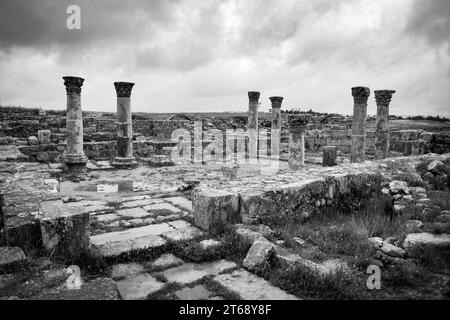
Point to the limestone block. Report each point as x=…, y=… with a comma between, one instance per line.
x=44, y=136
x=259, y=253
x=329, y=156
x=214, y=209
x=65, y=229
x=416, y=243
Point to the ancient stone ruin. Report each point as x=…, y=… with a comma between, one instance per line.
x=138, y=203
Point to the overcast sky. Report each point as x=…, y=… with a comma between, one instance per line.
x=204, y=55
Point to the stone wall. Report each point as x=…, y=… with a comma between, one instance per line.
x=20, y=126
x=102, y=150
x=24, y=123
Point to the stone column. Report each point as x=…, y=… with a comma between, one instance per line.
x=383, y=98
x=275, y=131
x=360, y=96
x=297, y=128
x=124, y=138
x=74, y=157
x=253, y=105
x=329, y=156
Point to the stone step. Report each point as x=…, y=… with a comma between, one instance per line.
x=250, y=287
x=137, y=212
x=135, y=282
x=148, y=237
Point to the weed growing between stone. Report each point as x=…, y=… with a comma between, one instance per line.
x=232, y=248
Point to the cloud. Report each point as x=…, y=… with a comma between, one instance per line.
x=190, y=55
x=42, y=23
x=431, y=20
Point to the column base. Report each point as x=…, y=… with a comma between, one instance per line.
x=75, y=164
x=125, y=163
x=74, y=159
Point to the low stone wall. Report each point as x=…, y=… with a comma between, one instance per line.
x=20, y=126
x=105, y=150
x=293, y=195
x=23, y=123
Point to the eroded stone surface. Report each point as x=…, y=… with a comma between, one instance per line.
x=195, y=293
x=182, y=234
x=138, y=287
x=133, y=213
x=214, y=209
x=115, y=243
x=165, y=261
x=415, y=242
x=11, y=255
x=125, y=269
x=181, y=202
x=259, y=253
x=251, y=287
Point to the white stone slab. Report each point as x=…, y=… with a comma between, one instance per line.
x=250, y=287
x=181, y=202
x=138, y=287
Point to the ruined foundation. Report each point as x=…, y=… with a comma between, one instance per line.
x=189, y=222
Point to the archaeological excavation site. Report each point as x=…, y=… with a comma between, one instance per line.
x=279, y=205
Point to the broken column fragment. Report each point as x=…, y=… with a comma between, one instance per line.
x=360, y=96
x=74, y=157
x=329, y=156
x=383, y=98
x=253, y=104
x=297, y=128
x=124, y=158
x=275, y=131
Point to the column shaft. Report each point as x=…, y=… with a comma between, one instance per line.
x=297, y=128
x=124, y=137
x=360, y=96
x=275, y=131
x=253, y=105
x=74, y=156
x=383, y=98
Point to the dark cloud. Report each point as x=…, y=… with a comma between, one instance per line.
x=214, y=51
x=42, y=23
x=431, y=20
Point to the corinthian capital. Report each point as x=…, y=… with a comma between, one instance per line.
x=383, y=97
x=360, y=94
x=73, y=84
x=297, y=123
x=123, y=89
x=253, y=96
x=276, y=102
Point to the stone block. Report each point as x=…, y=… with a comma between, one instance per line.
x=329, y=156
x=215, y=209
x=258, y=254
x=44, y=136
x=65, y=229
